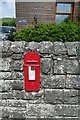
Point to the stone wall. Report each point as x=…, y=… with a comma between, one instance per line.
x=59, y=95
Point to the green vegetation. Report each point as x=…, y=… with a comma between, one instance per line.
x=8, y=21
x=66, y=31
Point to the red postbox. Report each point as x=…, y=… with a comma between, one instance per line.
x=32, y=71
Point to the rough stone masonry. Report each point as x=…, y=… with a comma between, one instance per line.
x=59, y=95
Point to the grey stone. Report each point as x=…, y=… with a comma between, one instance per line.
x=5, y=55
x=72, y=66
x=14, y=113
x=41, y=110
x=71, y=48
x=6, y=46
x=70, y=96
x=72, y=81
x=59, y=48
x=18, y=112
x=67, y=110
x=78, y=49
x=16, y=94
x=32, y=95
x=1, y=83
x=54, y=96
x=6, y=85
x=18, y=56
x=17, y=75
x=1, y=46
x=60, y=66
x=53, y=81
x=1, y=64
x=17, y=65
x=31, y=46
x=60, y=118
x=59, y=95
x=46, y=66
x=13, y=103
x=7, y=95
x=17, y=85
x=5, y=75
x=17, y=47
x=6, y=64
x=46, y=47
x=0, y=112
x=5, y=113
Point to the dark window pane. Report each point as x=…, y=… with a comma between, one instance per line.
x=61, y=18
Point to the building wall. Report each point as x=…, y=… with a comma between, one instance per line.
x=59, y=95
x=77, y=11
x=27, y=10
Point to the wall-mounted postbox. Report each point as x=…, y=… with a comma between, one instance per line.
x=32, y=72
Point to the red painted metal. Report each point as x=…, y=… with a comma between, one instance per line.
x=32, y=67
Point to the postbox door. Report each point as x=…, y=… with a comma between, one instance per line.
x=32, y=72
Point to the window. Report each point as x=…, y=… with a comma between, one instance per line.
x=63, y=11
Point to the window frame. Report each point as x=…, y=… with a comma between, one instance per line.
x=71, y=13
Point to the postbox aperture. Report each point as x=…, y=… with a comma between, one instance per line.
x=31, y=72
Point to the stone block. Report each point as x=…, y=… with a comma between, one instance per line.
x=17, y=47
x=72, y=67
x=40, y=110
x=17, y=65
x=1, y=64
x=70, y=96
x=59, y=48
x=17, y=85
x=46, y=66
x=5, y=55
x=78, y=49
x=1, y=83
x=54, y=96
x=17, y=113
x=53, y=81
x=0, y=112
x=72, y=81
x=31, y=46
x=6, y=46
x=46, y=47
x=5, y=64
x=7, y=95
x=14, y=113
x=66, y=110
x=17, y=56
x=5, y=113
x=16, y=94
x=13, y=103
x=5, y=75
x=7, y=86
x=17, y=75
x=1, y=47
x=59, y=118
x=71, y=48
x=60, y=66
x=32, y=95
x=0, y=96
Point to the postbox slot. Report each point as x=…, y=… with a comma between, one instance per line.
x=31, y=62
